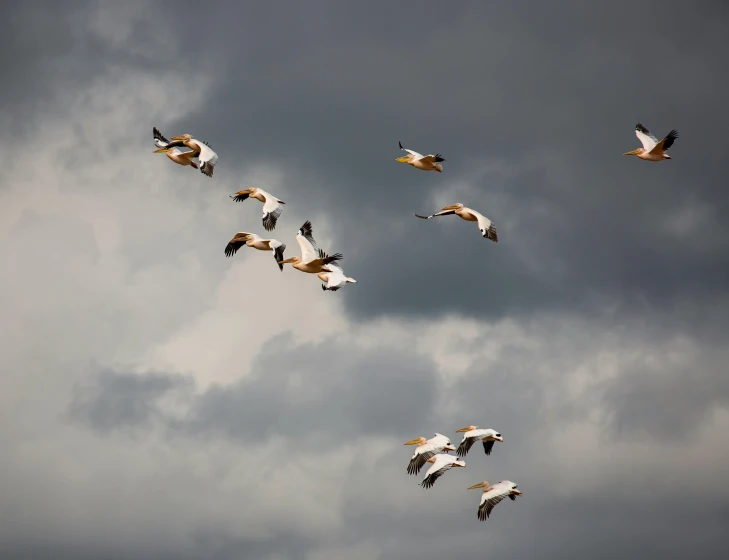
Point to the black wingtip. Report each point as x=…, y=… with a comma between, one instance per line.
x=400, y=144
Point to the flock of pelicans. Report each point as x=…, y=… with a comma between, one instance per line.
x=435, y=451
x=314, y=260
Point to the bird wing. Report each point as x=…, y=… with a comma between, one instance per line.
x=433, y=158
x=239, y=239
x=441, y=213
x=324, y=259
x=488, y=446
x=240, y=196
x=335, y=278
x=466, y=445
x=490, y=499
x=305, y=238
x=487, y=225
x=208, y=158
x=159, y=140
x=442, y=464
x=646, y=138
x=278, y=249
x=421, y=456
x=666, y=143
x=414, y=154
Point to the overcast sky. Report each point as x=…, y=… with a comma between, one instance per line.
x=159, y=400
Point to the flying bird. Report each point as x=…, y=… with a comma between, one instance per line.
x=257, y=242
x=472, y=434
x=492, y=495
x=175, y=154
x=271, y=205
x=313, y=260
x=335, y=279
x=206, y=156
x=441, y=464
x=418, y=161
x=485, y=226
x=427, y=449
x=652, y=149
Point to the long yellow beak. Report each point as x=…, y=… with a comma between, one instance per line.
x=413, y=442
x=286, y=261
x=633, y=153
x=403, y=159
x=479, y=485
x=517, y=492
x=463, y=430
x=161, y=151
x=177, y=137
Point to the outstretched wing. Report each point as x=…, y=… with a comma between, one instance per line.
x=433, y=158
x=236, y=243
x=490, y=499
x=326, y=259
x=159, y=140
x=646, y=138
x=240, y=196
x=667, y=142
x=305, y=239
x=429, y=480
x=441, y=213
x=421, y=456
x=465, y=446
x=208, y=158
x=278, y=253
x=488, y=446
x=270, y=218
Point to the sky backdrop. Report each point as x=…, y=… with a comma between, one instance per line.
x=161, y=401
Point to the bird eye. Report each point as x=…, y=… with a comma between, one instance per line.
x=498, y=435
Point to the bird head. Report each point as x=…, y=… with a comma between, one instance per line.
x=449, y=447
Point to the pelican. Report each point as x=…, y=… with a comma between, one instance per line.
x=313, y=260
x=492, y=495
x=271, y=208
x=176, y=155
x=472, y=434
x=441, y=463
x=427, y=448
x=486, y=226
x=207, y=157
x=652, y=149
x=335, y=279
x=418, y=161
x=257, y=242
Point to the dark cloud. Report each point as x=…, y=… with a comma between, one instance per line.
x=669, y=401
x=321, y=392
x=553, y=95
x=113, y=401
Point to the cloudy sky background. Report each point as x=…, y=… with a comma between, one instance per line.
x=158, y=400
